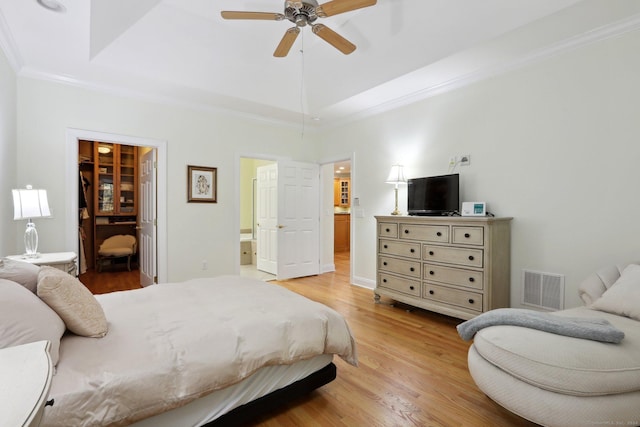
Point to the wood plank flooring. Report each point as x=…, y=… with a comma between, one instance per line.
x=412, y=366
x=111, y=280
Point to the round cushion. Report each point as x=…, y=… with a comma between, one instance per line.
x=115, y=252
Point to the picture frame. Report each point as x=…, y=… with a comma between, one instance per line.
x=202, y=184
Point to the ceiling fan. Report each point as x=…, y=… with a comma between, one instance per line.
x=306, y=12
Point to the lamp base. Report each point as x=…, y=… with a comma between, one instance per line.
x=31, y=256
x=396, y=211
x=31, y=240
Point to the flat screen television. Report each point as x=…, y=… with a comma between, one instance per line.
x=433, y=195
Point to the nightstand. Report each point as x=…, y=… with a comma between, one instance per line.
x=65, y=261
x=26, y=371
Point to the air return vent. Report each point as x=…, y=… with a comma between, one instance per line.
x=543, y=290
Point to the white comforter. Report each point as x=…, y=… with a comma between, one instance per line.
x=172, y=343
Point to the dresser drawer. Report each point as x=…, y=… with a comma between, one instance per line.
x=399, y=284
x=449, y=255
x=468, y=235
x=388, y=229
x=394, y=247
x=426, y=233
x=453, y=276
x=400, y=266
x=465, y=299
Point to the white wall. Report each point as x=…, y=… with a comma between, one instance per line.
x=8, y=142
x=556, y=145
x=553, y=144
x=197, y=232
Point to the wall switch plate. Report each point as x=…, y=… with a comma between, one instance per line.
x=465, y=160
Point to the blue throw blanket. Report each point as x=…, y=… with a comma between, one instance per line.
x=586, y=328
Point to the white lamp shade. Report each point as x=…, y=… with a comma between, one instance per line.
x=28, y=203
x=396, y=175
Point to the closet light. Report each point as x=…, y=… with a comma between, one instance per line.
x=103, y=149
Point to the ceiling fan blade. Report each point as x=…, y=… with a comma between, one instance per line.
x=341, y=6
x=333, y=38
x=287, y=41
x=264, y=16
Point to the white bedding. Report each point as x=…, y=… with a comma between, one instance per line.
x=172, y=343
x=212, y=406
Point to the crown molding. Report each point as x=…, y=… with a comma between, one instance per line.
x=148, y=96
x=294, y=120
x=616, y=29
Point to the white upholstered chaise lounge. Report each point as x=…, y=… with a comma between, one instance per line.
x=555, y=380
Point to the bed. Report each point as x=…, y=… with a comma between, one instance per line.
x=199, y=352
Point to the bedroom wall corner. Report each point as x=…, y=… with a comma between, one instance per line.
x=9, y=243
x=553, y=144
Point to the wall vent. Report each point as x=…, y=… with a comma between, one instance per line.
x=543, y=290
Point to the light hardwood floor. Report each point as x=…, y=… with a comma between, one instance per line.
x=412, y=367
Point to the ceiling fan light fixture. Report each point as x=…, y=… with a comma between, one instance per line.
x=303, y=13
x=52, y=5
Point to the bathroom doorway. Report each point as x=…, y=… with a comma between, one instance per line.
x=248, y=218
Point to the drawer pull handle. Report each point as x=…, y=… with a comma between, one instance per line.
x=384, y=280
x=471, y=258
x=406, y=231
x=388, y=230
x=471, y=279
x=431, y=272
x=412, y=269
x=471, y=301
x=431, y=292
x=385, y=246
x=384, y=263
x=467, y=235
x=411, y=287
x=431, y=253
x=438, y=234
x=412, y=250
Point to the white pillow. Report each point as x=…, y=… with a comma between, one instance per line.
x=20, y=272
x=24, y=318
x=623, y=297
x=73, y=302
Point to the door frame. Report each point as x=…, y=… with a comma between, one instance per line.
x=350, y=157
x=73, y=136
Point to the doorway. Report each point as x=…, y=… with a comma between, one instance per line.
x=158, y=198
x=249, y=218
x=340, y=213
x=286, y=211
x=342, y=207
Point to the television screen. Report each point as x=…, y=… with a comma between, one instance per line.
x=433, y=195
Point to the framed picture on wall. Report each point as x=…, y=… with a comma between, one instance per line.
x=202, y=184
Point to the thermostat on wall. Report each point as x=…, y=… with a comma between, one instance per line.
x=474, y=208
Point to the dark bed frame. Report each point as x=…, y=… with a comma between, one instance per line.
x=248, y=412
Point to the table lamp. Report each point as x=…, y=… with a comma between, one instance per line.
x=28, y=204
x=396, y=176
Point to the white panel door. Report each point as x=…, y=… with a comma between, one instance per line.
x=267, y=208
x=298, y=219
x=147, y=219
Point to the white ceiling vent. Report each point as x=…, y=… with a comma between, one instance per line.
x=543, y=290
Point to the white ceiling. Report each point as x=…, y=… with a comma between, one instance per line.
x=183, y=51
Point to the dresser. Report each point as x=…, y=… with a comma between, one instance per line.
x=457, y=266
